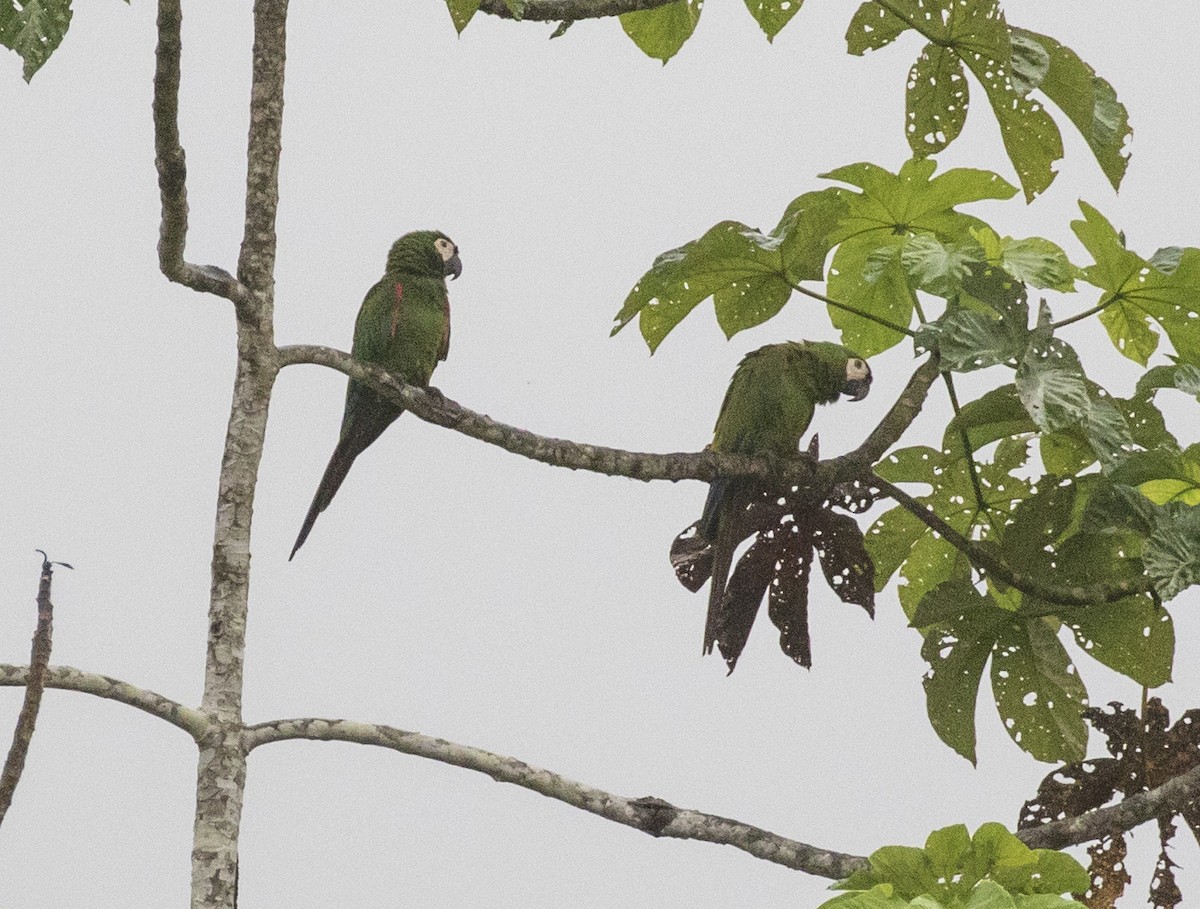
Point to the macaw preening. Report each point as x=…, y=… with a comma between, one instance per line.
x=768, y=406
x=403, y=326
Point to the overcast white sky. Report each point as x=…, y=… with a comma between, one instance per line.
x=452, y=588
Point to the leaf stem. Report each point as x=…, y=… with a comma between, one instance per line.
x=968, y=452
x=846, y=307
x=1079, y=317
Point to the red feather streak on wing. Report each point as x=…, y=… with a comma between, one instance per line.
x=396, y=310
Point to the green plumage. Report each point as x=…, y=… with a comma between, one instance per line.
x=769, y=404
x=403, y=326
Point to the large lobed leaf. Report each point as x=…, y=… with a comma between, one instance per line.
x=34, y=30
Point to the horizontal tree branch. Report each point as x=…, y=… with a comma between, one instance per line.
x=705, y=465
x=650, y=815
x=193, y=722
x=987, y=560
x=559, y=10
x=1169, y=798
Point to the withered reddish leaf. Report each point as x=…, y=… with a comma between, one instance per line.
x=1147, y=752
x=1071, y=790
x=743, y=596
x=692, y=558
x=1164, y=891
x=788, y=597
x=1108, y=874
x=844, y=559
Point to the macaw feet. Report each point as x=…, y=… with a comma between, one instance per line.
x=435, y=394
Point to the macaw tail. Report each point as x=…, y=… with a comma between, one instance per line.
x=358, y=433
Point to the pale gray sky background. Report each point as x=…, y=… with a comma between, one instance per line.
x=453, y=588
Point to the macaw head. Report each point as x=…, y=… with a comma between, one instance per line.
x=429, y=253
x=858, y=377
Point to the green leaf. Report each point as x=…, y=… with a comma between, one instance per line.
x=937, y=267
x=970, y=340
x=871, y=28
x=936, y=100
x=773, y=15
x=1128, y=328
x=1184, y=376
x=1132, y=636
x=1050, y=380
x=1057, y=872
x=870, y=277
x=913, y=201
x=956, y=653
x=990, y=895
x=35, y=30
x=1172, y=553
x=1039, y=696
x=890, y=540
x=946, y=849
x=878, y=897
x=999, y=414
x=662, y=31
x=1037, y=261
x=805, y=231
x=461, y=12
x=1087, y=100
x=738, y=267
x=516, y=7
x=1166, y=290
x=906, y=868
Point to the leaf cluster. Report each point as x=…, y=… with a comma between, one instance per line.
x=990, y=870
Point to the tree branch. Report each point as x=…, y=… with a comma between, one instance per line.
x=705, y=465
x=987, y=561
x=557, y=10
x=1171, y=797
x=66, y=678
x=169, y=160
x=650, y=815
x=39, y=658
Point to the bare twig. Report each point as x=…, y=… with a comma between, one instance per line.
x=556, y=10
x=650, y=815
x=67, y=678
x=172, y=169
x=39, y=658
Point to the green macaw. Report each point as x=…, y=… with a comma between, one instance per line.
x=768, y=406
x=402, y=326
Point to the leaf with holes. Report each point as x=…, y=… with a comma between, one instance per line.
x=1172, y=553
x=939, y=267
x=1165, y=288
x=35, y=30
x=1039, y=695
x=773, y=15
x=461, y=12
x=1088, y=100
x=957, y=651
x=870, y=277
x=805, y=232
x=936, y=100
x=740, y=268
x=1033, y=260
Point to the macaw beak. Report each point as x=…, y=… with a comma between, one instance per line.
x=857, y=389
x=453, y=266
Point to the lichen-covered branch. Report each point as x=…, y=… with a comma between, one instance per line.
x=221, y=772
x=66, y=678
x=988, y=561
x=1169, y=798
x=172, y=168
x=650, y=815
x=560, y=10
x=39, y=659
x=705, y=465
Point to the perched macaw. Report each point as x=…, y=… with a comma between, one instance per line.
x=404, y=327
x=768, y=406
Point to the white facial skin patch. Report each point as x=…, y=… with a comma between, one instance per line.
x=446, y=248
